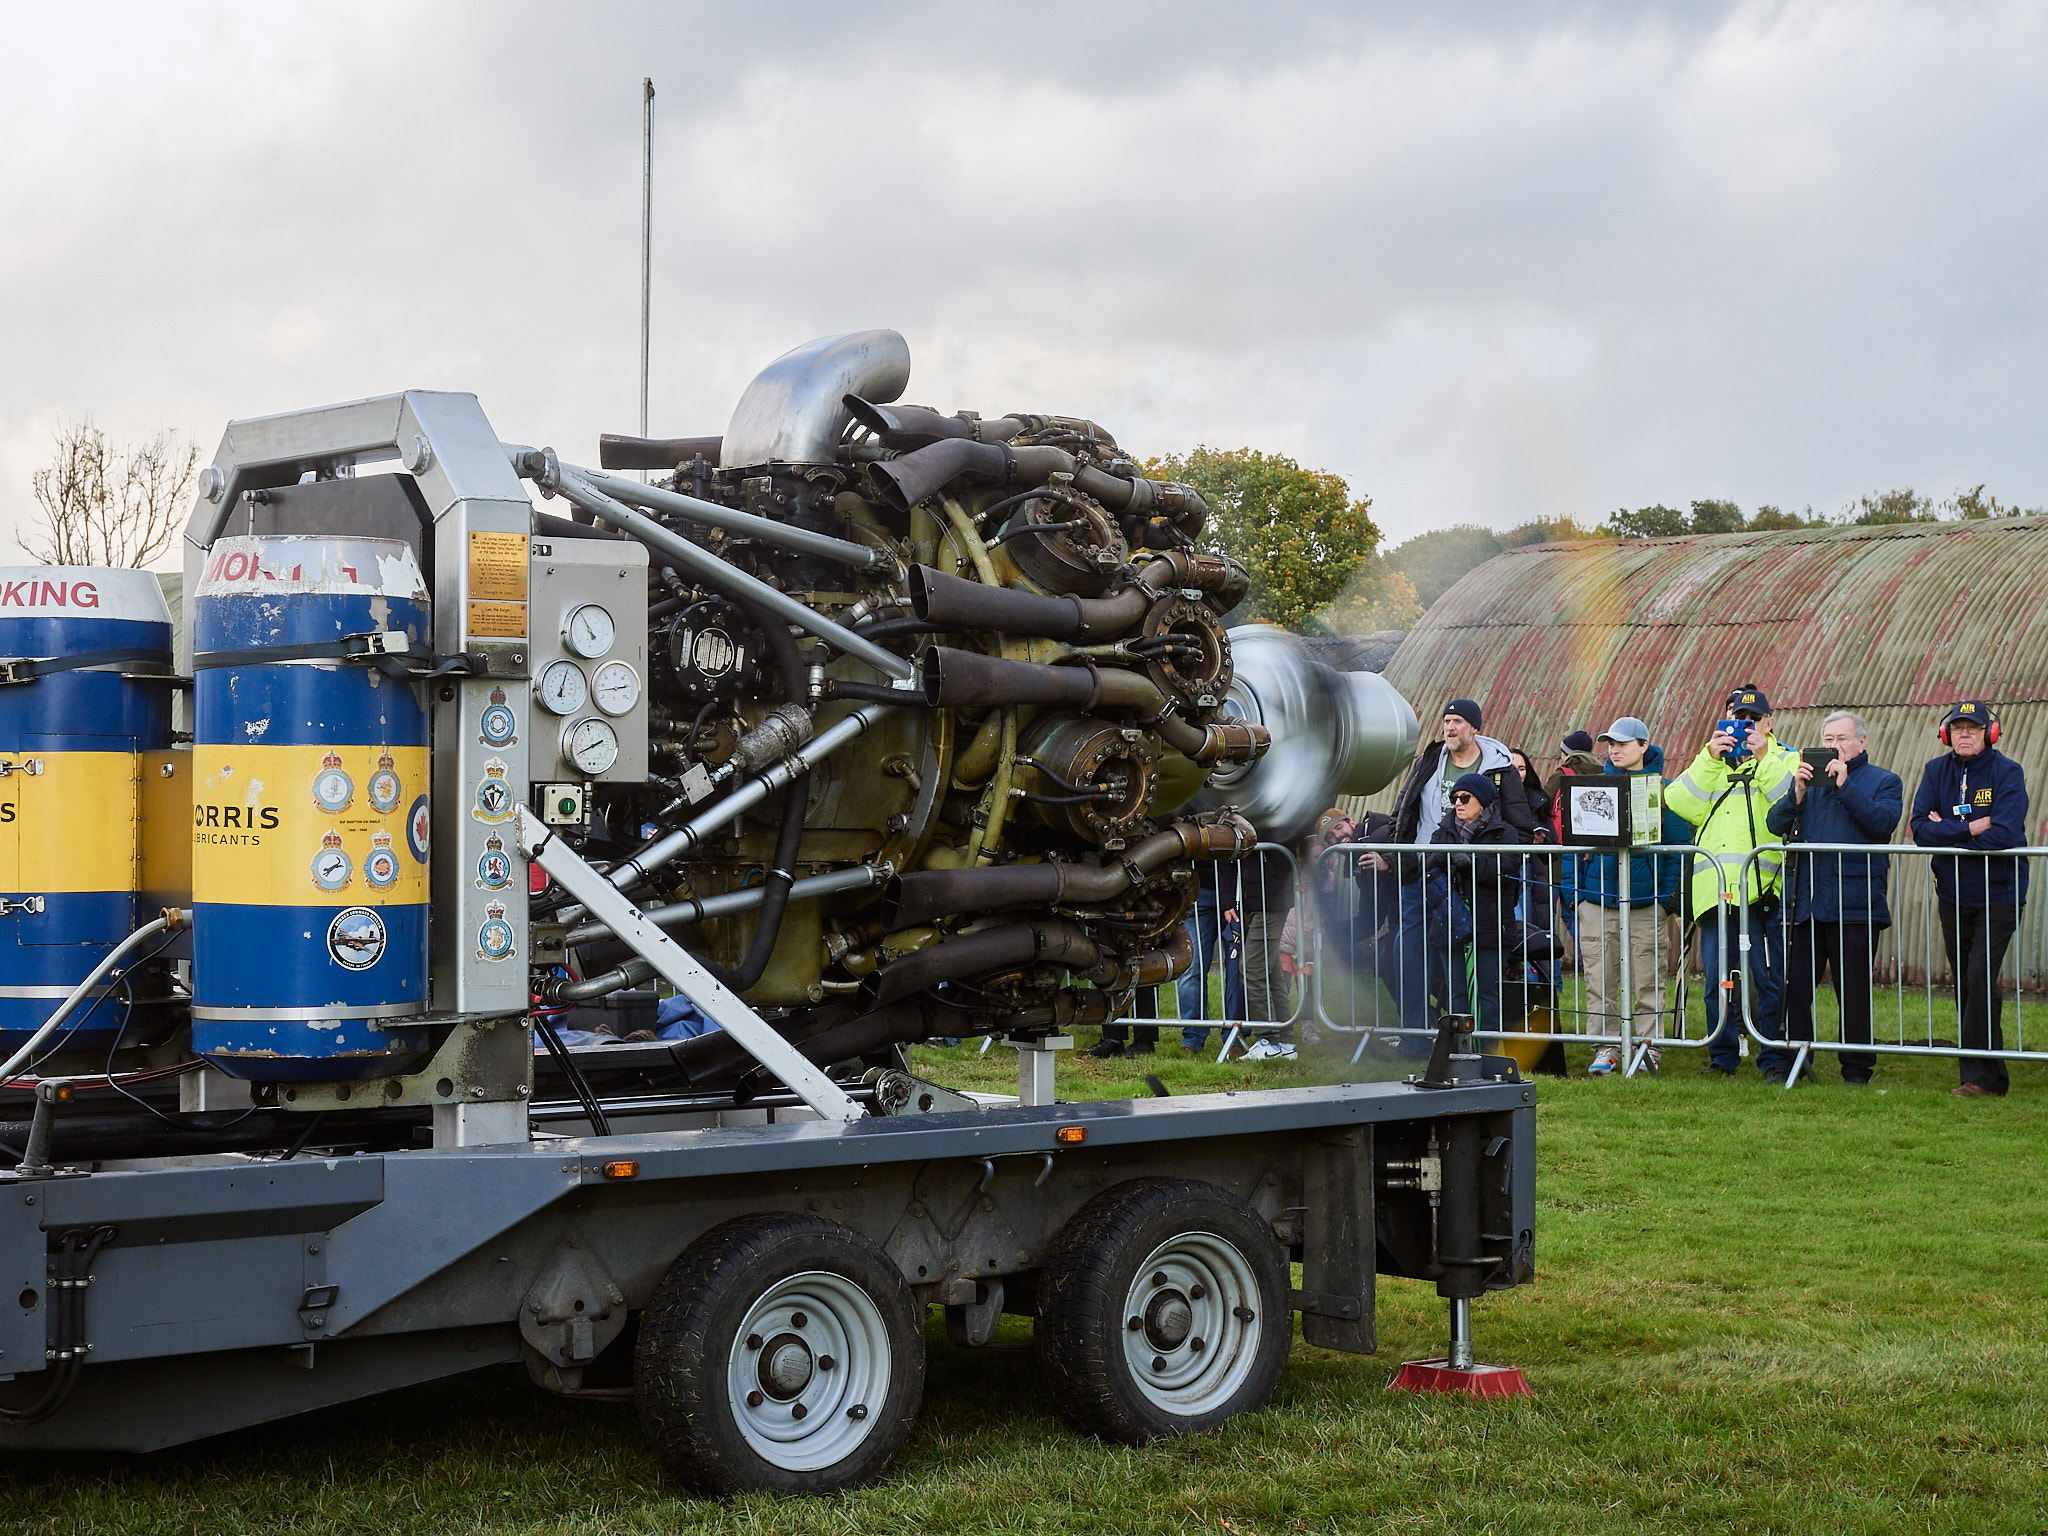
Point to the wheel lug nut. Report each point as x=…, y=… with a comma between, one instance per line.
x=1159, y=1277
x=1198, y=1291
x=753, y=1341
x=798, y=1411
x=754, y=1399
x=825, y=1362
x=1158, y=1362
x=796, y=1319
x=1195, y=1344
x=1135, y=1324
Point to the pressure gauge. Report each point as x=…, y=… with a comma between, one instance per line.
x=562, y=687
x=589, y=631
x=591, y=746
x=615, y=688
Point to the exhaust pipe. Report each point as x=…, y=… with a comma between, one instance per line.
x=904, y=427
x=922, y=896
x=795, y=411
x=904, y=482
x=1016, y=944
x=618, y=452
x=954, y=602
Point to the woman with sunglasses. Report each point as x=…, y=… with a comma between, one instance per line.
x=1484, y=883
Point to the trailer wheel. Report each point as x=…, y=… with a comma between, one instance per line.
x=1162, y=1311
x=781, y=1354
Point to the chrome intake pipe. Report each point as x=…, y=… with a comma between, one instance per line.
x=795, y=410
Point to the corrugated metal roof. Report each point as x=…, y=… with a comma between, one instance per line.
x=1892, y=622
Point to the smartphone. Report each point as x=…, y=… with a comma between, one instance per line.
x=1739, y=729
x=1817, y=758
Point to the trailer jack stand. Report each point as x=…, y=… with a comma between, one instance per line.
x=1457, y=1372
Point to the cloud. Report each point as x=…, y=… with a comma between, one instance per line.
x=1486, y=261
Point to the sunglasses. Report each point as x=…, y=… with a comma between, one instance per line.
x=1464, y=799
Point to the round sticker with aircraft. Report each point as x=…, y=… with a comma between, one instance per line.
x=356, y=938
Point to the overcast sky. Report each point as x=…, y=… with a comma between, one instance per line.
x=1485, y=261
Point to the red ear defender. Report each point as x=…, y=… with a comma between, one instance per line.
x=1990, y=723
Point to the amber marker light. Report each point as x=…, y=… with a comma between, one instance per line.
x=1073, y=1135
x=623, y=1168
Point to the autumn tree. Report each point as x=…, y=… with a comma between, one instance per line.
x=1652, y=522
x=1313, y=551
x=100, y=504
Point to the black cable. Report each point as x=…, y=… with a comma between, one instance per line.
x=1088, y=798
x=1021, y=529
x=1057, y=781
x=176, y=1123
x=304, y=1136
x=886, y=628
x=873, y=693
x=578, y=1084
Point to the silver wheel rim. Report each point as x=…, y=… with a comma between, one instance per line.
x=809, y=1371
x=1191, y=1324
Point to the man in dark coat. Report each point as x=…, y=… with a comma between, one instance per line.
x=1974, y=796
x=1838, y=903
x=1431, y=923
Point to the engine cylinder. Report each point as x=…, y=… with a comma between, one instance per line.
x=70, y=809
x=309, y=877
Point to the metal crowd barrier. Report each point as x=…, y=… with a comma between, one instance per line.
x=1967, y=957
x=1246, y=950
x=1398, y=942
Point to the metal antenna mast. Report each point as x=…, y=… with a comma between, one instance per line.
x=646, y=234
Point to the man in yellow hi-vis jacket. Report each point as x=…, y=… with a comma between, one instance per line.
x=1727, y=793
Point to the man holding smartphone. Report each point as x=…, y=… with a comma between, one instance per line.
x=1837, y=902
x=1974, y=796
x=1727, y=792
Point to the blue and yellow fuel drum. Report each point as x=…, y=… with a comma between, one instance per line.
x=70, y=844
x=310, y=828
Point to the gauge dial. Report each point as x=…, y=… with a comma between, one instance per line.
x=591, y=746
x=615, y=688
x=562, y=687
x=589, y=631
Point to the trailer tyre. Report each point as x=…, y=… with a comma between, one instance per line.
x=780, y=1354
x=1163, y=1311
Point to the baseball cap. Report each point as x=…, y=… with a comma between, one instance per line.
x=1975, y=711
x=1627, y=728
x=1747, y=700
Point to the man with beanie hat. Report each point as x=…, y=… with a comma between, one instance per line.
x=1432, y=922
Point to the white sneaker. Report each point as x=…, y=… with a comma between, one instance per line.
x=1270, y=1050
x=1606, y=1060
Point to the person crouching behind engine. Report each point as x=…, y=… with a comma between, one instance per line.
x=1433, y=924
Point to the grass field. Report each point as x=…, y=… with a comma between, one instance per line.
x=1755, y=1311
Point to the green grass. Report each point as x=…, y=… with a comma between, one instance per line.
x=1756, y=1311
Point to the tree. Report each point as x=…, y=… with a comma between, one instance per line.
x=1715, y=517
x=1547, y=530
x=1900, y=506
x=1654, y=522
x=103, y=505
x=1435, y=561
x=1305, y=541
x=1772, y=519
x=1972, y=505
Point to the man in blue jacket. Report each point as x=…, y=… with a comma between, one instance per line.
x=1974, y=796
x=1591, y=888
x=1838, y=902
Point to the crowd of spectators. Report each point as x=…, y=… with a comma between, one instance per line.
x=1475, y=898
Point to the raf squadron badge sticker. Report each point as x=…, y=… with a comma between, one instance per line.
x=381, y=867
x=494, y=938
x=494, y=794
x=499, y=726
x=332, y=867
x=385, y=790
x=333, y=790
x=355, y=939
x=494, y=869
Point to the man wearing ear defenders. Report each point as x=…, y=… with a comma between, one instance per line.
x=1974, y=796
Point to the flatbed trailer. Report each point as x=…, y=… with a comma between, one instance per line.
x=230, y=1290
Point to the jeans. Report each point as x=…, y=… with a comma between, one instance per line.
x=1434, y=929
x=1765, y=978
x=1207, y=929
x=1976, y=940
